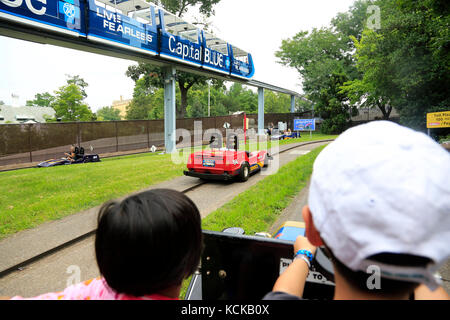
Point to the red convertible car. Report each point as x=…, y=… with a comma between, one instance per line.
x=226, y=164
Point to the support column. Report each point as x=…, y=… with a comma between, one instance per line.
x=292, y=104
x=170, y=117
x=261, y=111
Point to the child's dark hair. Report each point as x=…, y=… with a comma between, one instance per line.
x=149, y=242
x=358, y=279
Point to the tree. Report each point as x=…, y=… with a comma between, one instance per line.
x=352, y=23
x=154, y=76
x=372, y=90
x=198, y=100
x=79, y=82
x=69, y=105
x=238, y=98
x=406, y=63
x=41, y=100
x=323, y=60
x=1, y=103
x=302, y=105
x=180, y=7
x=276, y=102
x=147, y=103
x=108, y=114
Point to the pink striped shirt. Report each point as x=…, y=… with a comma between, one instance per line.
x=94, y=289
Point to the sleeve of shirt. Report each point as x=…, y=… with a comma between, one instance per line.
x=85, y=290
x=278, y=295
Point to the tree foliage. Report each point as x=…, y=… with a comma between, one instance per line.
x=69, y=102
x=238, y=98
x=152, y=77
x=108, y=114
x=406, y=63
x=148, y=103
x=41, y=100
x=323, y=60
x=352, y=23
x=180, y=7
x=79, y=82
x=403, y=63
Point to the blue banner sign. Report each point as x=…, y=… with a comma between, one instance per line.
x=58, y=16
x=304, y=125
x=117, y=29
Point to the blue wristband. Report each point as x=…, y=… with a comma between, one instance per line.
x=306, y=253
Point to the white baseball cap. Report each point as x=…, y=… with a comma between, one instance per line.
x=383, y=188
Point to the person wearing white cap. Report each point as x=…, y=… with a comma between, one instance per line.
x=379, y=197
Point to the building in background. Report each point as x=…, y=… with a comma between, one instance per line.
x=368, y=114
x=9, y=114
x=121, y=105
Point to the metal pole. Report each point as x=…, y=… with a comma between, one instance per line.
x=79, y=134
x=170, y=117
x=29, y=143
x=117, y=136
x=261, y=111
x=147, y=122
x=292, y=104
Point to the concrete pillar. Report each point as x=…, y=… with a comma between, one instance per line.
x=261, y=111
x=170, y=116
x=292, y=104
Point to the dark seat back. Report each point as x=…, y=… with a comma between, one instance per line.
x=241, y=267
x=79, y=153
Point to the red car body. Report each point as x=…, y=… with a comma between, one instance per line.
x=219, y=164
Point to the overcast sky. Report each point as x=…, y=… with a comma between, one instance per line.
x=257, y=26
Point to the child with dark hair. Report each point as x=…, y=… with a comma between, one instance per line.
x=145, y=245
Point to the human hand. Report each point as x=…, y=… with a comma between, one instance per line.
x=302, y=243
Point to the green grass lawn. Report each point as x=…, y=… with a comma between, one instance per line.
x=29, y=197
x=256, y=209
